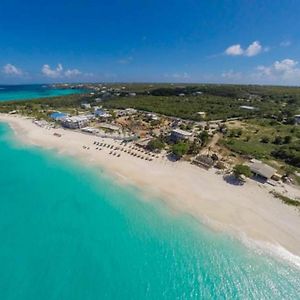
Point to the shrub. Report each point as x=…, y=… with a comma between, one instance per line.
x=240, y=170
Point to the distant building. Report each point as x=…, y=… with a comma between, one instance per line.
x=75, y=122
x=101, y=113
x=85, y=105
x=130, y=111
x=297, y=119
x=178, y=134
x=132, y=94
x=197, y=93
x=202, y=114
x=153, y=117
x=248, y=107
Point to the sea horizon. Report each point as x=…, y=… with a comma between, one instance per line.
x=33, y=91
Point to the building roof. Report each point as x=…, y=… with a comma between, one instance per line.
x=204, y=161
x=109, y=126
x=77, y=118
x=58, y=115
x=182, y=132
x=262, y=169
x=248, y=107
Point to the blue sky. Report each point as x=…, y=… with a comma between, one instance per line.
x=158, y=41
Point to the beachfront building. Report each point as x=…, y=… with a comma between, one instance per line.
x=204, y=161
x=178, y=134
x=75, y=122
x=262, y=170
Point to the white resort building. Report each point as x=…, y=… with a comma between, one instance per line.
x=75, y=122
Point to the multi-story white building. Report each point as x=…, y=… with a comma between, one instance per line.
x=75, y=122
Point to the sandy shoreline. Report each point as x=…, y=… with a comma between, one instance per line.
x=244, y=210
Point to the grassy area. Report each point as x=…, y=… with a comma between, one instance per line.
x=263, y=139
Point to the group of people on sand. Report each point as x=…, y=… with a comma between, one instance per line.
x=131, y=150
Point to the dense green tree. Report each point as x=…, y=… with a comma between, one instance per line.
x=179, y=149
x=265, y=139
x=241, y=170
x=156, y=144
x=204, y=137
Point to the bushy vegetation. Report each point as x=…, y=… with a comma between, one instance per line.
x=241, y=170
x=179, y=149
x=156, y=145
x=218, y=101
x=286, y=199
x=262, y=139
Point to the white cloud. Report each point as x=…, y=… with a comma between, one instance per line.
x=59, y=72
x=125, y=61
x=285, y=70
x=52, y=73
x=178, y=77
x=12, y=70
x=183, y=75
x=234, y=50
x=285, y=43
x=231, y=75
x=72, y=73
x=285, y=65
x=252, y=50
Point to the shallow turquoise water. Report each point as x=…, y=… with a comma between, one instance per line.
x=67, y=233
x=24, y=92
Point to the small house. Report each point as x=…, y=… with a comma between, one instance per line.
x=204, y=161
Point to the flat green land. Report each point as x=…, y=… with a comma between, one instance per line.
x=265, y=139
x=218, y=101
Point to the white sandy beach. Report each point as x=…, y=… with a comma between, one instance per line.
x=244, y=210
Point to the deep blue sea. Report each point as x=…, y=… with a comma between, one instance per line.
x=70, y=232
x=25, y=92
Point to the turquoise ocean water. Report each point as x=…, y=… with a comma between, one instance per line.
x=69, y=232
x=23, y=92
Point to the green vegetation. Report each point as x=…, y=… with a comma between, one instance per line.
x=262, y=139
x=179, y=149
x=39, y=108
x=204, y=137
x=241, y=170
x=286, y=200
x=156, y=145
x=218, y=101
